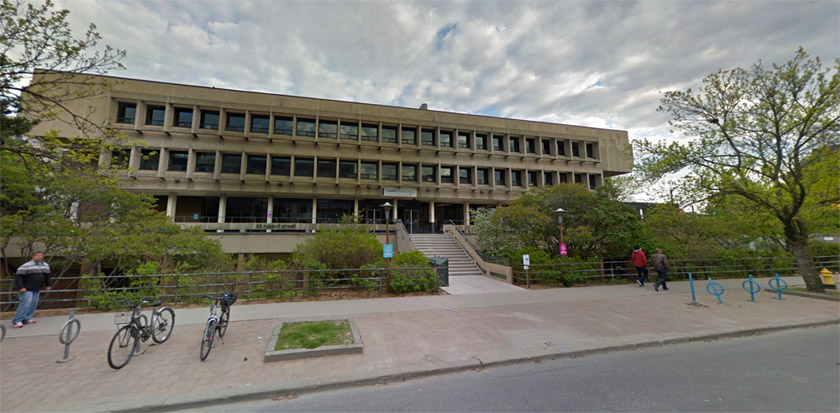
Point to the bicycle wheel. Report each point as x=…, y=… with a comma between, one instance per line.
x=122, y=347
x=162, y=328
x=207, y=339
x=223, y=323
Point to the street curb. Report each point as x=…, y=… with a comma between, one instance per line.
x=196, y=401
x=810, y=295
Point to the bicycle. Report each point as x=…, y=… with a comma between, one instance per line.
x=2, y=332
x=215, y=324
x=136, y=327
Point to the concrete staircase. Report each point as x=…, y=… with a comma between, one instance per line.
x=443, y=245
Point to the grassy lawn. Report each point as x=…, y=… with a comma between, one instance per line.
x=805, y=290
x=314, y=334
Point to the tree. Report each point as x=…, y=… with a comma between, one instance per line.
x=763, y=135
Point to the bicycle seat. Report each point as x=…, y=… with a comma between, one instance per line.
x=155, y=304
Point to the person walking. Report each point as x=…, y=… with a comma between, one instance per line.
x=29, y=279
x=660, y=265
x=640, y=262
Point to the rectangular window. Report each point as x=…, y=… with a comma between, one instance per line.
x=427, y=137
x=231, y=163
x=349, y=130
x=326, y=168
x=347, y=169
x=119, y=158
x=155, y=115
x=370, y=170
x=178, y=160
x=126, y=112
x=255, y=165
x=576, y=149
x=209, y=119
x=409, y=136
x=516, y=178
x=370, y=132
x=561, y=148
x=481, y=176
x=593, y=181
x=464, y=140
x=499, y=177
x=304, y=167
x=532, y=178
x=590, y=150
x=514, y=144
x=283, y=125
x=497, y=143
x=389, y=134
x=281, y=165
x=235, y=122
x=547, y=181
x=428, y=174
x=389, y=172
x=260, y=123
x=446, y=176
x=183, y=118
x=327, y=129
x=205, y=162
x=563, y=178
x=481, y=141
x=409, y=173
x=531, y=145
x=305, y=127
x=445, y=139
x=546, y=147
x=464, y=176
x=149, y=159
x=578, y=178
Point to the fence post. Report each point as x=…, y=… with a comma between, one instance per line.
x=250, y=275
x=177, y=296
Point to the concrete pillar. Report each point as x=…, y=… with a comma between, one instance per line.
x=314, y=211
x=222, y=210
x=394, y=212
x=356, y=208
x=432, y=215
x=270, y=212
x=171, y=205
x=466, y=213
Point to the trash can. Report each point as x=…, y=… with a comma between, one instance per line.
x=442, y=267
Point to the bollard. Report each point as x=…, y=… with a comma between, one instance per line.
x=778, y=288
x=754, y=287
x=691, y=283
x=717, y=287
x=527, y=278
x=66, y=337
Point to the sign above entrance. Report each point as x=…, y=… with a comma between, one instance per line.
x=400, y=192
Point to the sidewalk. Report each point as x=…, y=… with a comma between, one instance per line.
x=402, y=337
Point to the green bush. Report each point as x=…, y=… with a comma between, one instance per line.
x=406, y=281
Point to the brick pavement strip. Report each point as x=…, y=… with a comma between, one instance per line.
x=397, y=344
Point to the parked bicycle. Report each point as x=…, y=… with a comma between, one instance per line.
x=216, y=324
x=2, y=332
x=137, y=327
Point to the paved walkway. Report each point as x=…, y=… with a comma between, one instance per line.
x=478, y=284
x=402, y=337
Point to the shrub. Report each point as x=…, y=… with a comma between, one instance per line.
x=406, y=281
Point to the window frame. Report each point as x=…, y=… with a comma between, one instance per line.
x=150, y=115
x=248, y=165
x=198, y=164
x=203, y=113
x=291, y=130
x=280, y=161
x=231, y=156
x=176, y=117
x=170, y=158
x=304, y=164
x=121, y=108
x=328, y=165
x=230, y=116
x=265, y=130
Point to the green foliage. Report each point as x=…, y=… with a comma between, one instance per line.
x=351, y=246
x=313, y=334
x=406, y=281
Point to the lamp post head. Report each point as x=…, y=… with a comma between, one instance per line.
x=386, y=206
x=559, y=212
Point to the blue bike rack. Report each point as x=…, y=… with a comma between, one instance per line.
x=691, y=283
x=715, y=289
x=752, y=287
x=779, y=288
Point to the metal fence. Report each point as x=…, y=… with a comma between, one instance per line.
x=577, y=272
x=108, y=292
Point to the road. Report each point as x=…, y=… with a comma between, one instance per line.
x=794, y=370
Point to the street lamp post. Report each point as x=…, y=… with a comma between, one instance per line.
x=387, y=207
x=560, y=212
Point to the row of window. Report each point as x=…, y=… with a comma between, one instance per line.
x=354, y=130
x=231, y=163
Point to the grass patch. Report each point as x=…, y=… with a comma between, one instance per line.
x=805, y=290
x=314, y=334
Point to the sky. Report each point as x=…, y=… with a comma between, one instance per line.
x=591, y=63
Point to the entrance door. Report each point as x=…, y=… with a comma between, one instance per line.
x=411, y=220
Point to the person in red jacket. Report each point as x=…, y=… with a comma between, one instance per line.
x=640, y=262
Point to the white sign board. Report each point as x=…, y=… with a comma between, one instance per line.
x=400, y=192
x=526, y=261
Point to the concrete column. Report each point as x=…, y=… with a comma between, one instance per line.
x=394, y=212
x=222, y=210
x=356, y=208
x=466, y=213
x=432, y=215
x=270, y=214
x=190, y=162
x=314, y=210
x=171, y=205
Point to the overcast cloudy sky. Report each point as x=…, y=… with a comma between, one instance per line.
x=593, y=63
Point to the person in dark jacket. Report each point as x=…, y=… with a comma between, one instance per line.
x=660, y=264
x=30, y=278
x=640, y=262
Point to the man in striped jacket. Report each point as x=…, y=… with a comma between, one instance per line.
x=30, y=278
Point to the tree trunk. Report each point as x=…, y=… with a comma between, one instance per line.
x=805, y=264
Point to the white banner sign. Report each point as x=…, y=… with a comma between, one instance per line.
x=400, y=192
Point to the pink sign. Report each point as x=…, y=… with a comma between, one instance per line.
x=563, y=250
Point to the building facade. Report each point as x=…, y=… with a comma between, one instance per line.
x=243, y=162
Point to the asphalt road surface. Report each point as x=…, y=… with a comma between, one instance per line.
x=794, y=370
